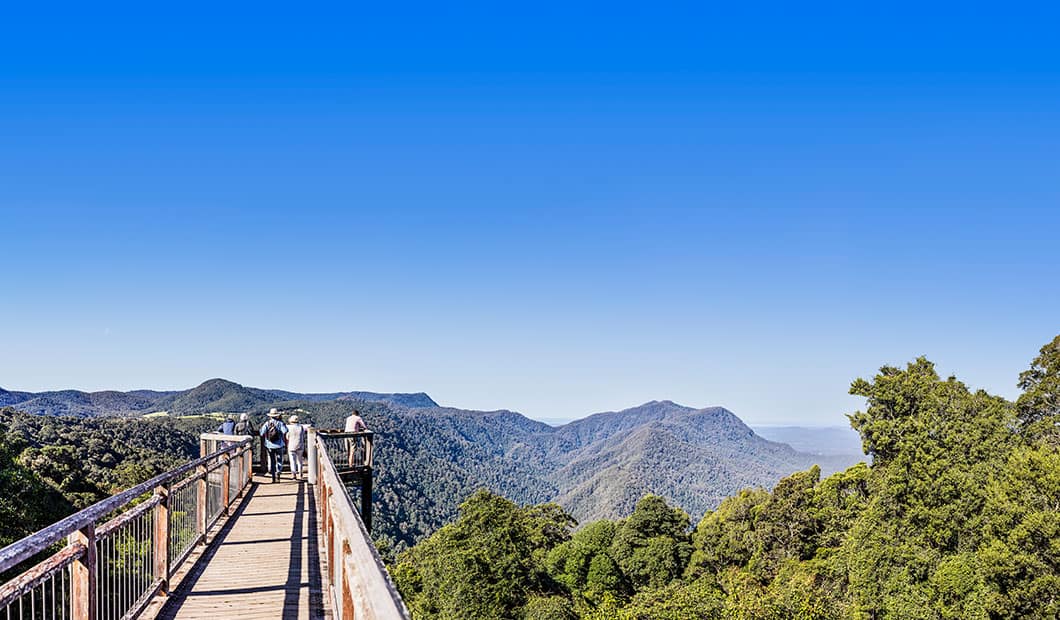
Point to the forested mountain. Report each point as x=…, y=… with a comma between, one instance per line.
x=693, y=457
x=428, y=457
x=212, y=395
x=598, y=467
x=956, y=518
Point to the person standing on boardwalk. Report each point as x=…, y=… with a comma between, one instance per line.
x=273, y=431
x=355, y=424
x=244, y=426
x=296, y=446
x=227, y=427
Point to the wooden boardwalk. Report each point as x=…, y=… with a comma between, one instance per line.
x=264, y=562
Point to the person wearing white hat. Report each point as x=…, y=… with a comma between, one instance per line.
x=273, y=430
x=244, y=426
x=296, y=445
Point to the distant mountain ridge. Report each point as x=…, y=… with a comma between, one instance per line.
x=211, y=395
x=429, y=458
x=824, y=440
x=694, y=457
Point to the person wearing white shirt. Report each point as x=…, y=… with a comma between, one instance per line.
x=355, y=424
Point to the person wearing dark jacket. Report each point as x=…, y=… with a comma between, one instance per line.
x=273, y=430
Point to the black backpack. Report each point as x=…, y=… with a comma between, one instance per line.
x=273, y=434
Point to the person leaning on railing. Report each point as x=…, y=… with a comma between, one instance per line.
x=227, y=427
x=354, y=424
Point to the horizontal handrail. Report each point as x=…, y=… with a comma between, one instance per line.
x=33, y=544
x=127, y=516
x=349, y=452
x=30, y=579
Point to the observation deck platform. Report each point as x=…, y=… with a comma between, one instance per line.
x=210, y=540
x=264, y=562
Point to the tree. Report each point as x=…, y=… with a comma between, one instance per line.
x=1040, y=400
x=485, y=564
x=652, y=546
x=726, y=537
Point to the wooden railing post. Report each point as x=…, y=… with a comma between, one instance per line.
x=161, y=539
x=200, y=503
x=83, y=575
x=226, y=478
x=311, y=456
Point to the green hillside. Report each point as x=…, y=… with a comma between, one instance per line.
x=957, y=517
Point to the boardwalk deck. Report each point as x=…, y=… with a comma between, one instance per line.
x=264, y=563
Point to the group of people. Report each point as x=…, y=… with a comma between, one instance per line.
x=279, y=437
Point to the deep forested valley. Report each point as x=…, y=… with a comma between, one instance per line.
x=957, y=517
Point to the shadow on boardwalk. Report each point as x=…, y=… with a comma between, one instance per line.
x=264, y=562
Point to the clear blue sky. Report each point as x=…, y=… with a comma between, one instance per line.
x=551, y=208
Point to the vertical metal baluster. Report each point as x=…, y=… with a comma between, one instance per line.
x=124, y=555
x=101, y=580
x=123, y=574
x=125, y=571
x=119, y=576
x=148, y=565
x=137, y=560
x=103, y=598
x=110, y=577
x=141, y=559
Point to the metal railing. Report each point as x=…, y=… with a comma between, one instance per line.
x=358, y=583
x=111, y=571
x=348, y=451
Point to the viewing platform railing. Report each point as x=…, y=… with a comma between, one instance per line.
x=358, y=583
x=121, y=552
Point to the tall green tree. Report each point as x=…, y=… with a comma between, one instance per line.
x=1039, y=404
x=652, y=546
x=485, y=564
